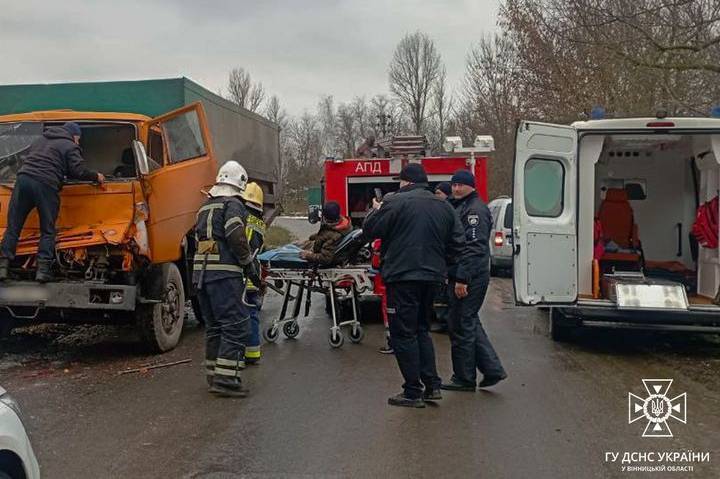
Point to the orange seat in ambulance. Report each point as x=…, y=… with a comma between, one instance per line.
x=618, y=225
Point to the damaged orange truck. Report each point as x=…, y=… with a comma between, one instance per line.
x=124, y=250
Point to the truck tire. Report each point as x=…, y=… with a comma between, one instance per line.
x=161, y=324
x=560, y=331
x=6, y=326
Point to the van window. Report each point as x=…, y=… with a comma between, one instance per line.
x=184, y=137
x=507, y=223
x=544, y=187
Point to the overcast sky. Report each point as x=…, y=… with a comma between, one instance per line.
x=298, y=49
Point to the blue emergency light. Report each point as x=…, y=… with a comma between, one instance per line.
x=597, y=113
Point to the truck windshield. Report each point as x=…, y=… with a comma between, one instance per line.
x=15, y=139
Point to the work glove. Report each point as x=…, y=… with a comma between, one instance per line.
x=252, y=272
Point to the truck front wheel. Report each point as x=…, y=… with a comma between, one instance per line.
x=161, y=323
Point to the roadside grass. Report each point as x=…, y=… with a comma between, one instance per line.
x=277, y=236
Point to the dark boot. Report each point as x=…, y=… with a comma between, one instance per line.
x=44, y=271
x=491, y=381
x=4, y=268
x=432, y=395
x=228, y=387
x=403, y=401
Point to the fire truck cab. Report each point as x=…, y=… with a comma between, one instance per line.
x=354, y=182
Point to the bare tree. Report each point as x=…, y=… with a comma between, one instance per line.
x=346, y=130
x=442, y=105
x=493, y=85
x=305, y=136
x=326, y=117
x=362, y=119
x=243, y=91
x=275, y=113
x=414, y=69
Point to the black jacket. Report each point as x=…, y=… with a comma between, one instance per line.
x=419, y=232
x=53, y=157
x=477, y=222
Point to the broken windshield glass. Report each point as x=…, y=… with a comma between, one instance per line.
x=15, y=139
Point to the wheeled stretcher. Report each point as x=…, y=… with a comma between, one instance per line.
x=297, y=279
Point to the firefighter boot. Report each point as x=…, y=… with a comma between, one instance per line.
x=4, y=268
x=228, y=387
x=44, y=271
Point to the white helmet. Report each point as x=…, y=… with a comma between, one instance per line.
x=232, y=174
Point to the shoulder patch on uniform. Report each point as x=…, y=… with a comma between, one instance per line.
x=473, y=220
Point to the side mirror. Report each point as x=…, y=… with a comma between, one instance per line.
x=314, y=214
x=141, y=157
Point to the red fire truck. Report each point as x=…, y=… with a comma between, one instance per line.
x=354, y=182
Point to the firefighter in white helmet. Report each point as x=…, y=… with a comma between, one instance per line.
x=255, y=231
x=222, y=264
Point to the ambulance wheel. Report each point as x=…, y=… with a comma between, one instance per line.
x=161, y=323
x=336, y=339
x=357, y=334
x=559, y=330
x=271, y=334
x=291, y=330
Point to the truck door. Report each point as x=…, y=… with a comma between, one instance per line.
x=174, y=190
x=544, y=214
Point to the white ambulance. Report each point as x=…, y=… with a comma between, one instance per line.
x=603, y=212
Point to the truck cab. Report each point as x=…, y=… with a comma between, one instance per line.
x=602, y=223
x=123, y=250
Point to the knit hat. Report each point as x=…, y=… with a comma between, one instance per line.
x=463, y=177
x=414, y=173
x=444, y=187
x=73, y=128
x=331, y=212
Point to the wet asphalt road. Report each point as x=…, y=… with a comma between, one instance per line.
x=318, y=412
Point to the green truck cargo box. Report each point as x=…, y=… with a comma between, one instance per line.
x=238, y=134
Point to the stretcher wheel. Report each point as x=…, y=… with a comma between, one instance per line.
x=336, y=339
x=271, y=334
x=357, y=334
x=291, y=330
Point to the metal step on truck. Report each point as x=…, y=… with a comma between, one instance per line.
x=124, y=251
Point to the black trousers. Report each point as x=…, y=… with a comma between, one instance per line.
x=409, y=308
x=227, y=328
x=470, y=345
x=27, y=195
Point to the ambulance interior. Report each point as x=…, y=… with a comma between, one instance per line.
x=647, y=191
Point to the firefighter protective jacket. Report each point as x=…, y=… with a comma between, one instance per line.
x=222, y=247
x=255, y=233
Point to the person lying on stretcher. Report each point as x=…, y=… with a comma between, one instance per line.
x=320, y=248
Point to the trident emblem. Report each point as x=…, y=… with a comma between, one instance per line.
x=657, y=408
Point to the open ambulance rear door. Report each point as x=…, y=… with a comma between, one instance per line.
x=545, y=214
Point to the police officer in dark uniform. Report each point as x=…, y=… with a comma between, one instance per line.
x=221, y=265
x=418, y=232
x=468, y=282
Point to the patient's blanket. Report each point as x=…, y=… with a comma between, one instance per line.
x=287, y=256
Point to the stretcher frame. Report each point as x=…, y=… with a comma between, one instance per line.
x=324, y=281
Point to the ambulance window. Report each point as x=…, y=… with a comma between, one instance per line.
x=544, y=187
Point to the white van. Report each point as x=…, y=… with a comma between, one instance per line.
x=633, y=187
